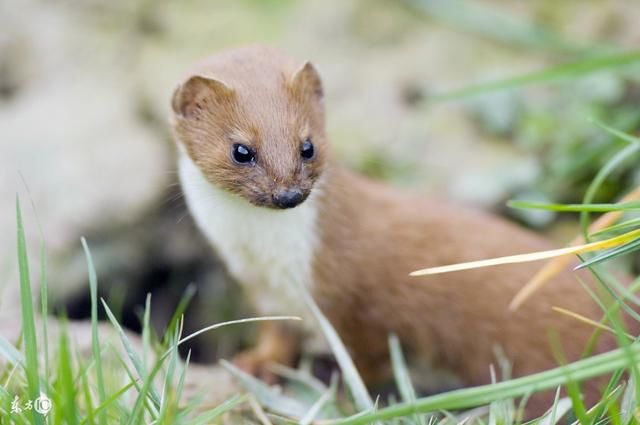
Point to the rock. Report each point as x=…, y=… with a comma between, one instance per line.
x=73, y=143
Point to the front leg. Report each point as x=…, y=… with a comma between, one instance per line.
x=277, y=343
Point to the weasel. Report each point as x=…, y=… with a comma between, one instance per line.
x=261, y=182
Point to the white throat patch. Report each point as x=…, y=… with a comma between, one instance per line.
x=268, y=251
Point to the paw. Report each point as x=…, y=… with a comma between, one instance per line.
x=256, y=364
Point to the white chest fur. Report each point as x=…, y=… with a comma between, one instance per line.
x=269, y=252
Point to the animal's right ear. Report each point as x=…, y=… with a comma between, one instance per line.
x=307, y=82
x=199, y=93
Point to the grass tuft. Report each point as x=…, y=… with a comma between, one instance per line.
x=28, y=317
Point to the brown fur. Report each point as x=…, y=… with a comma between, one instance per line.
x=372, y=235
x=453, y=320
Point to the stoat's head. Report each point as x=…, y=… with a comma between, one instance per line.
x=253, y=122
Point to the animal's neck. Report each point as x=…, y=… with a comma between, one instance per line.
x=259, y=245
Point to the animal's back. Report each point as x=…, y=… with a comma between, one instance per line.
x=451, y=321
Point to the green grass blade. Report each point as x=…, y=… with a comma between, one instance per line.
x=620, y=301
x=627, y=248
x=146, y=331
x=95, y=338
x=314, y=411
x=66, y=385
x=228, y=323
x=266, y=395
x=578, y=407
x=28, y=319
x=11, y=353
x=606, y=170
x=492, y=23
x=210, y=416
x=623, y=206
x=110, y=400
x=600, y=178
x=615, y=132
x=184, y=302
x=44, y=299
x=605, y=406
x=131, y=352
x=628, y=406
x=569, y=70
x=476, y=396
x=167, y=388
x=402, y=376
x=145, y=393
x=88, y=411
x=183, y=376
x=560, y=407
x=300, y=376
x=615, y=319
x=627, y=225
x=44, y=304
x=351, y=376
x=4, y=393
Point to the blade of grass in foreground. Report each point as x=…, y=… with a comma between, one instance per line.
x=95, y=340
x=614, y=131
x=569, y=70
x=351, y=375
x=44, y=302
x=625, y=206
x=145, y=394
x=614, y=163
x=11, y=353
x=28, y=320
x=208, y=417
x=230, y=322
x=627, y=248
x=186, y=298
x=402, y=376
x=492, y=23
x=133, y=355
x=558, y=264
x=272, y=399
x=65, y=382
x=476, y=396
x=315, y=409
x=535, y=256
x=633, y=223
x=183, y=376
x=588, y=321
x=113, y=398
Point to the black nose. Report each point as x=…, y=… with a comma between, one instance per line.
x=288, y=198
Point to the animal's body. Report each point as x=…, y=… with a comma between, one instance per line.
x=280, y=211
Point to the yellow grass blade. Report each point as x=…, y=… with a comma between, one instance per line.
x=535, y=256
x=588, y=321
x=557, y=265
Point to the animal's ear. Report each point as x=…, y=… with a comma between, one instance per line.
x=306, y=81
x=198, y=93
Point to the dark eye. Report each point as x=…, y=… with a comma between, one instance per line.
x=242, y=154
x=306, y=151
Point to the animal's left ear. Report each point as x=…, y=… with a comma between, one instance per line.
x=306, y=82
x=199, y=93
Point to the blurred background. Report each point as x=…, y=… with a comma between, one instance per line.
x=84, y=102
